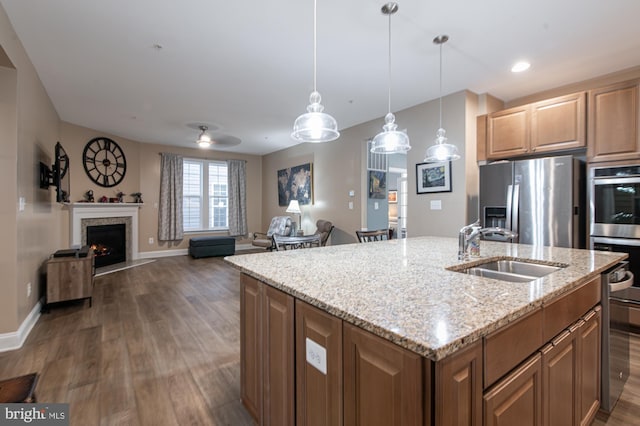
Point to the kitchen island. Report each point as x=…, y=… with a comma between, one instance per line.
x=387, y=333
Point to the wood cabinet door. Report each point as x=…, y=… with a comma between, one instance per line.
x=589, y=366
x=516, y=399
x=278, y=358
x=318, y=342
x=458, y=399
x=508, y=132
x=559, y=123
x=614, y=117
x=382, y=381
x=481, y=138
x=251, y=345
x=559, y=380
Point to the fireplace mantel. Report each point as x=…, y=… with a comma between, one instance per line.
x=80, y=211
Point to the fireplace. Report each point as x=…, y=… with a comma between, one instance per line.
x=109, y=243
x=83, y=215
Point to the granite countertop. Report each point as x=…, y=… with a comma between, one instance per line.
x=401, y=290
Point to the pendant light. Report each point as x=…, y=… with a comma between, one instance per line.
x=441, y=150
x=315, y=126
x=390, y=140
x=204, y=139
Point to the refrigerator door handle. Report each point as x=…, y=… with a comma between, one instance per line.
x=515, y=212
x=509, y=205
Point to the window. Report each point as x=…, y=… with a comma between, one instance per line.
x=205, y=195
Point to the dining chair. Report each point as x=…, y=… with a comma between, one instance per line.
x=375, y=235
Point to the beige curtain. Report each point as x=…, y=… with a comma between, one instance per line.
x=170, y=225
x=237, y=184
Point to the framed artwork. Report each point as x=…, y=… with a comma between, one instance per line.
x=377, y=184
x=433, y=177
x=296, y=183
x=392, y=197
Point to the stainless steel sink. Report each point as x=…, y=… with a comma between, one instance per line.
x=510, y=270
x=536, y=270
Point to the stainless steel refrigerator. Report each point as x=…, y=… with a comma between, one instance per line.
x=542, y=200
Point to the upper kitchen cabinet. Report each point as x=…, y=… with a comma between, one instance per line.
x=508, y=132
x=613, y=123
x=556, y=124
x=559, y=123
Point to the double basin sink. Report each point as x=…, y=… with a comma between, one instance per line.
x=510, y=270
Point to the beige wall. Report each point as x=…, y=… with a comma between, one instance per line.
x=143, y=175
x=29, y=132
x=340, y=166
x=336, y=169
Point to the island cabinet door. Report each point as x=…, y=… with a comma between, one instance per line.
x=251, y=345
x=458, y=388
x=589, y=367
x=559, y=380
x=318, y=367
x=278, y=358
x=516, y=399
x=382, y=381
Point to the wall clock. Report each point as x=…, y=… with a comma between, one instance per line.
x=104, y=162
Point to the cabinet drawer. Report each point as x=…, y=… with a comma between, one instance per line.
x=567, y=309
x=522, y=338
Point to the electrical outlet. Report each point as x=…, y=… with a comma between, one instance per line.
x=29, y=289
x=316, y=356
x=150, y=240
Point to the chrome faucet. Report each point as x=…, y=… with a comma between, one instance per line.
x=469, y=232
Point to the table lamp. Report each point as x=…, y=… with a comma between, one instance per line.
x=294, y=207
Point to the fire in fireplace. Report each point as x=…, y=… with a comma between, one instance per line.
x=109, y=243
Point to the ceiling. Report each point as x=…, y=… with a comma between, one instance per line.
x=246, y=67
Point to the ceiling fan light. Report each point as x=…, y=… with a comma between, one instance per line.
x=315, y=126
x=204, y=139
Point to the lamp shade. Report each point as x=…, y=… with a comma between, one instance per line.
x=315, y=126
x=294, y=207
x=441, y=150
x=390, y=140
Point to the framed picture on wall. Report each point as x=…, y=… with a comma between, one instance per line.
x=392, y=197
x=377, y=184
x=296, y=183
x=433, y=177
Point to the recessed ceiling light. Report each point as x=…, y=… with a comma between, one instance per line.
x=520, y=66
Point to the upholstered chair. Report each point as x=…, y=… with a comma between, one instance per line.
x=323, y=228
x=280, y=225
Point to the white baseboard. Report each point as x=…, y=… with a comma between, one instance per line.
x=162, y=253
x=15, y=340
x=182, y=252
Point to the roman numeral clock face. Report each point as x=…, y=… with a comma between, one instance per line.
x=104, y=162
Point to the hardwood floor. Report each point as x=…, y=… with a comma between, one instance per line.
x=161, y=347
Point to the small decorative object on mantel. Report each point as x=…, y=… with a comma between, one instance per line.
x=120, y=195
x=89, y=196
x=137, y=197
x=103, y=199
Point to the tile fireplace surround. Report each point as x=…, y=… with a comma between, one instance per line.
x=82, y=215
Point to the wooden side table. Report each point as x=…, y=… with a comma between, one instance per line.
x=19, y=389
x=70, y=278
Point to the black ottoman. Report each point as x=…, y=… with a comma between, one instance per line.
x=211, y=246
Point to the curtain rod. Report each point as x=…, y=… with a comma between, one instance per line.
x=203, y=158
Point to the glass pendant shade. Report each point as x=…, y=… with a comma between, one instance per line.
x=390, y=140
x=441, y=150
x=315, y=126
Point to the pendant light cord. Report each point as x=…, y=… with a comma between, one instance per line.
x=389, y=66
x=440, y=86
x=315, y=49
